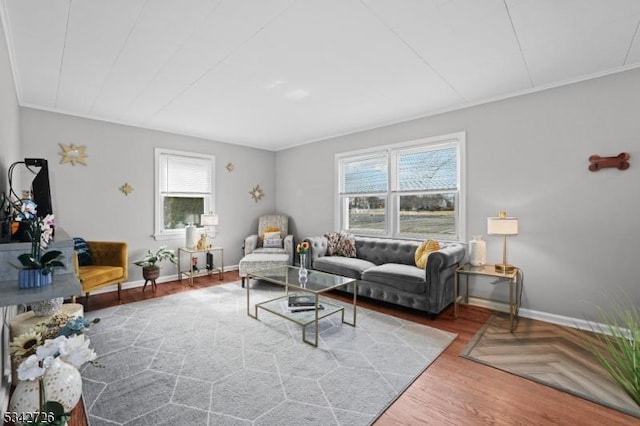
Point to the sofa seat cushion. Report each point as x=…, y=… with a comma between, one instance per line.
x=96, y=275
x=350, y=267
x=402, y=277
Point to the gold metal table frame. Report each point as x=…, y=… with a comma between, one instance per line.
x=193, y=254
x=317, y=282
x=512, y=277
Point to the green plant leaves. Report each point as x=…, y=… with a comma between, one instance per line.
x=618, y=349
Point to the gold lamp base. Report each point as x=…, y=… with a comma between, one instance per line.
x=505, y=268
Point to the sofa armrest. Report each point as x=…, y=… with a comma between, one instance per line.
x=287, y=243
x=317, y=248
x=250, y=244
x=448, y=256
x=76, y=264
x=440, y=271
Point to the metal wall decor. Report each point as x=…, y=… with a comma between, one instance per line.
x=257, y=193
x=621, y=162
x=126, y=189
x=73, y=154
x=230, y=167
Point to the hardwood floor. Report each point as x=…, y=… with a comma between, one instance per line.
x=453, y=390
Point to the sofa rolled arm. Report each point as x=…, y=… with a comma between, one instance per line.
x=446, y=257
x=250, y=244
x=317, y=248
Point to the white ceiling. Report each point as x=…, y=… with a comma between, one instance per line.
x=279, y=73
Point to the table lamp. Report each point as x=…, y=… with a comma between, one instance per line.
x=503, y=225
x=207, y=220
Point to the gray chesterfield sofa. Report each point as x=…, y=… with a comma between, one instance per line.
x=385, y=270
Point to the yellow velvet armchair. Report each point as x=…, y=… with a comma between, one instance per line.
x=109, y=265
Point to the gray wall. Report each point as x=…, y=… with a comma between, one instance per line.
x=87, y=201
x=9, y=116
x=9, y=152
x=579, y=230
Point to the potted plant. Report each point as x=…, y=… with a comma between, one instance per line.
x=38, y=264
x=617, y=347
x=149, y=263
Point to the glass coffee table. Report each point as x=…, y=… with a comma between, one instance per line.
x=315, y=283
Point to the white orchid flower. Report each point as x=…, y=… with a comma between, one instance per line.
x=30, y=369
x=75, y=351
x=47, y=230
x=50, y=348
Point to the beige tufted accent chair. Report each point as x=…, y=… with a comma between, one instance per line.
x=253, y=243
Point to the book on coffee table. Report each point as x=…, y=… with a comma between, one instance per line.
x=302, y=300
x=311, y=308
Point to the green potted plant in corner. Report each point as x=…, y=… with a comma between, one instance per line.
x=150, y=262
x=617, y=347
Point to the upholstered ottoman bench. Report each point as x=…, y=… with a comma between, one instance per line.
x=258, y=261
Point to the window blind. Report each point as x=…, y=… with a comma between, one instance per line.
x=184, y=175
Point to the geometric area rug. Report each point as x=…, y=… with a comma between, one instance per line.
x=196, y=358
x=549, y=354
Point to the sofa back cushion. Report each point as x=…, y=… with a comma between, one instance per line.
x=382, y=250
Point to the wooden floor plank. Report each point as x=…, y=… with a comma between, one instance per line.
x=453, y=390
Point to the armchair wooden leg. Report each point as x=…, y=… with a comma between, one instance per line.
x=119, y=288
x=86, y=299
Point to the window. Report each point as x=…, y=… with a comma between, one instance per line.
x=184, y=190
x=410, y=190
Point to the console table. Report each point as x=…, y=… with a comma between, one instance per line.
x=192, y=254
x=511, y=278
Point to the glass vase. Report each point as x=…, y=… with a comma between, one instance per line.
x=302, y=272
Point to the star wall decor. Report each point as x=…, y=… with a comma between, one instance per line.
x=73, y=154
x=257, y=193
x=126, y=189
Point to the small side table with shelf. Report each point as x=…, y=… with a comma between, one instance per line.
x=208, y=270
x=513, y=278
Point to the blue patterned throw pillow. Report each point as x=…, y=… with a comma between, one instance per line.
x=82, y=248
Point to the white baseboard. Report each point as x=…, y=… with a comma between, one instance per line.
x=579, y=324
x=140, y=283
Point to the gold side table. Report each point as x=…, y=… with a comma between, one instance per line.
x=193, y=254
x=512, y=278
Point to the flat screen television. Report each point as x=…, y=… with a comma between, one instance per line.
x=40, y=187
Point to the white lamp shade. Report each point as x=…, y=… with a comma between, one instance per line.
x=210, y=219
x=502, y=225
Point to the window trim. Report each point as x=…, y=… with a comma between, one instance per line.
x=457, y=139
x=209, y=201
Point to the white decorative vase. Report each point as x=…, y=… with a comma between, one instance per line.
x=190, y=233
x=477, y=251
x=48, y=307
x=62, y=383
